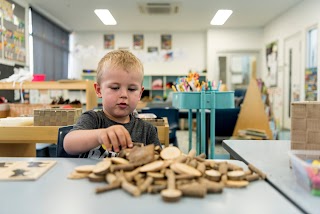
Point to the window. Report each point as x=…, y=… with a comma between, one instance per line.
x=49, y=47
x=312, y=48
x=311, y=73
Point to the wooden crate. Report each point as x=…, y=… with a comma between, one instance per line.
x=162, y=127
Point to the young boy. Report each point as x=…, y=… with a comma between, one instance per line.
x=119, y=84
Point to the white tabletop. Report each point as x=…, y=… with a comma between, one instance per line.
x=271, y=156
x=54, y=193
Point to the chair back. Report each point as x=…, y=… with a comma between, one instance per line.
x=61, y=134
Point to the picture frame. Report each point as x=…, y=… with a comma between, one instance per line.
x=108, y=41
x=152, y=49
x=272, y=62
x=166, y=41
x=138, y=41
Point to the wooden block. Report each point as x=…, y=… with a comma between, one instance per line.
x=297, y=135
x=313, y=124
x=313, y=137
x=313, y=110
x=299, y=110
x=298, y=123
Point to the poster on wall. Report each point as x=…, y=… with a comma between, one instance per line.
x=152, y=49
x=311, y=84
x=13, y=31
x=272, y=62
x=109, y=41
x=138, y=42
x=166, y=42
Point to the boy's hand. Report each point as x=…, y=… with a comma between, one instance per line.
x=115, y=136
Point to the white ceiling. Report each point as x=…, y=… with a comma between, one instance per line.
x=193, y=15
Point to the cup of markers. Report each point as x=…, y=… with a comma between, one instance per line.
x=191, y=83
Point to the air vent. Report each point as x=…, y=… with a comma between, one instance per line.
x=159, y=8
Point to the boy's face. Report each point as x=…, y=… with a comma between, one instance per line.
x=120, y=92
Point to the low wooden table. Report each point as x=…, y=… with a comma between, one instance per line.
x=20, y=141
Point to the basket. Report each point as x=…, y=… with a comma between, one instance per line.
x=4, y=110
x=56, y=117
x=22, y=109
x=306, y=174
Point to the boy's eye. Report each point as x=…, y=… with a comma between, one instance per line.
x=115, y=88
x=132, y=89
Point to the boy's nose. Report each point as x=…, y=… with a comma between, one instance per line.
x=123, y=93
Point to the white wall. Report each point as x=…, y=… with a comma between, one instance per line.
x=297, y=20
x=189, y=51
x=231, y=40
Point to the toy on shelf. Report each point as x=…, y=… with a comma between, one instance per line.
x=192, y=83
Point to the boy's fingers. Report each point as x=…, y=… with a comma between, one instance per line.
x=114, y=141
x=104, y=140
x=123, y=137
x=128, y=139
x=107, y=144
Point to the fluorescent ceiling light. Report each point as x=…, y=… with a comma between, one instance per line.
x=221, y=17
x=105, y=16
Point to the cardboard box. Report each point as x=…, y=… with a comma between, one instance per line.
x=305, y=126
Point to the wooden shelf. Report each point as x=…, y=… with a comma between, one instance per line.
x=87, y=85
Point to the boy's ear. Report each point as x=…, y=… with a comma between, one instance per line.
x=142, y=89
x=97, y=88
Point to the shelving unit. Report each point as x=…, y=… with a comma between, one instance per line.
x=162, y=92
x=87, y=85
x=147, y=83
x=89, y=76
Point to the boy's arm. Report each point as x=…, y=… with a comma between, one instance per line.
x=80, y=141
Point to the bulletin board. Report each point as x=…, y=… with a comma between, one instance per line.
x=13, y=30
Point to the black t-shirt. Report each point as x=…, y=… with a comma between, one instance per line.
x=139, y=130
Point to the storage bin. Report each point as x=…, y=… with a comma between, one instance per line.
x=39, y=77
x=203, y=100
x=307, y=174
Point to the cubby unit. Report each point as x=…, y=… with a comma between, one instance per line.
x=162, y=90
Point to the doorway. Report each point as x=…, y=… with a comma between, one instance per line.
x=236, y=69
x=292, y=77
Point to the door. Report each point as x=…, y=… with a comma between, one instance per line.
x=293, y=79
x=236, y=69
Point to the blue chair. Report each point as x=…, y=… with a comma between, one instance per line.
x=173, y=119
x=60, y=150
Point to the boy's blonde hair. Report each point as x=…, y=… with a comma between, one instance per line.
x=119, y=58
